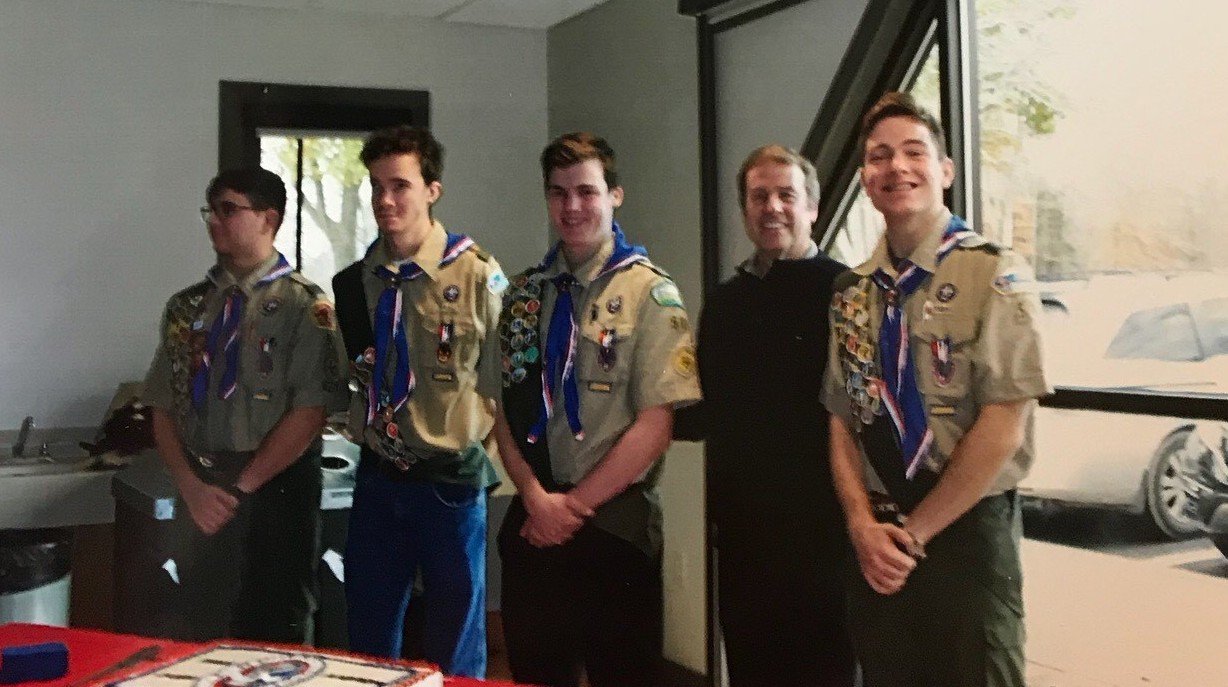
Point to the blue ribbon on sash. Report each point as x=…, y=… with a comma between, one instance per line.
x=558, y=359
x=900, y=394
x=225, y=331
x=390, y=327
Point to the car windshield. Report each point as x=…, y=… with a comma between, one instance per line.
x=1179, y=332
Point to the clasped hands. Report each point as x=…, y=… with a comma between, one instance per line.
x=554, y=518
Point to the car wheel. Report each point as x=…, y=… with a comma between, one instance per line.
x=1171, y=487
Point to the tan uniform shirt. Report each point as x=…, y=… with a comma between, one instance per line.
x=449, y=409
x=654, y=357
x=290, y=356
x=983, y=303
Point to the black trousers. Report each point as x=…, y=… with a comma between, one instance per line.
x=256, y=578
x=592, y=605
x=782, y=606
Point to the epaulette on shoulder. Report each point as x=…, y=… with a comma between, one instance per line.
x=654, y=267
x=199, y=288
x=311, y=287
x=979, y=242
x=844, y=280
x=480, y=253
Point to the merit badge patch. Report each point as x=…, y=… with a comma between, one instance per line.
x=944, y=365
x=666, y=295
x=322, y=312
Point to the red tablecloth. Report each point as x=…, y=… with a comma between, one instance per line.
x=91, y=650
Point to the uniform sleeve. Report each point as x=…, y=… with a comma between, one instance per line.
x=316, y=373
x=488, y=306
x=1008, y=358
x=157, y=390
x=833, y=396
x=664, y=369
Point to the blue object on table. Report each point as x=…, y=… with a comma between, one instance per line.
x=31, y=662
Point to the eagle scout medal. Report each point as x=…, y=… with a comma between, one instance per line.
x=265, y=359
x=944, y=366
x=451, y=293
x=444, y=353
x=606, y=357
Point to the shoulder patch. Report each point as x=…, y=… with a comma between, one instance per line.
x=312, y=288
x=666, y=294
x=497, y=282
x=323, y=313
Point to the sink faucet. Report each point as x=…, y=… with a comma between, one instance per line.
x=23, y=434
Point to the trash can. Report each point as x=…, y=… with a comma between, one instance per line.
x=34, y=575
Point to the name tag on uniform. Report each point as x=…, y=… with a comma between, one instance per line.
x=443, y=376
x=262, y=395
x=600, y=387
x=942, y=410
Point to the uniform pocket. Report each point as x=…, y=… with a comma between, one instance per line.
x=942, y=351
x=445, y=344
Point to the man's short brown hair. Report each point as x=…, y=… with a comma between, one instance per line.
x=406, y=140
x=897, y=104
x=576, y=147
x=778, y=154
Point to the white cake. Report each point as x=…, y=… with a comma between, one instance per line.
x=238, y=665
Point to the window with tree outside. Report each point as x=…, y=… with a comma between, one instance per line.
x=336, y=224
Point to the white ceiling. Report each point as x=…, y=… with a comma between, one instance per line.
x=528, y=14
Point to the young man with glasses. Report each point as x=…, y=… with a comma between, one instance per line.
x=250, y=363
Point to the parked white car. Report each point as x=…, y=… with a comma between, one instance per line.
x=1130, y=332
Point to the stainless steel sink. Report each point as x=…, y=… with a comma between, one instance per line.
x=44, y=459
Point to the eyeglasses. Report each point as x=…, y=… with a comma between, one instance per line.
x=223, y=210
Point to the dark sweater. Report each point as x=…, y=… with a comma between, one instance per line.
x=762, y=348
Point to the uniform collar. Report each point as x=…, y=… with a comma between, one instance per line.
x=430, y=252
x=749, y=266
x=224, y=280
x=925, y=255
x=585, y=271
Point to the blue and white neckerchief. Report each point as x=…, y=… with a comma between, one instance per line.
x=558, y=358
x=900, y=394
x=225, y=332
x=390, y=327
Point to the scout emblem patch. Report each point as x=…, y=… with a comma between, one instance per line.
x=944, y=365
x=613, y=305
x=270, y=305
x=946, y=292
x=451, y=293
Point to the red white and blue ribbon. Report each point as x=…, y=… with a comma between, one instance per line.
x=225, y=332
x=389, y=328
x=558, y=359
x=901, y=397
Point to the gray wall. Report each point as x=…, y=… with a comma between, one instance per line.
x=110, y=135
x=626, y=70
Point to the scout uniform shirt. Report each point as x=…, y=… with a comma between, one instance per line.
x=288, y=354
x=973, y=339
x=449, y=314
x=634, y=350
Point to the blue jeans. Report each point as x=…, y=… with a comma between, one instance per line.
x=398, y=527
